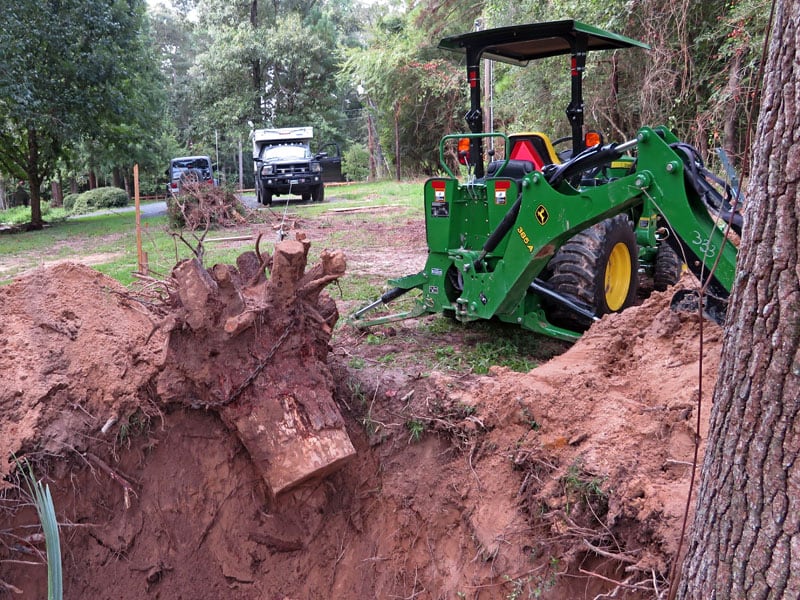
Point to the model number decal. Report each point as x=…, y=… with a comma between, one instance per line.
x=525, y=239
x=704, y=244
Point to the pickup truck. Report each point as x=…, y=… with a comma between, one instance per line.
x=284, y=164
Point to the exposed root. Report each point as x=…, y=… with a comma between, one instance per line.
x=9, y=588
x=127, y=488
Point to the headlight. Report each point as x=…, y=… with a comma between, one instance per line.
x=267, y=170
x=315, y=167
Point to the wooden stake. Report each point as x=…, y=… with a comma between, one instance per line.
x=142, y=259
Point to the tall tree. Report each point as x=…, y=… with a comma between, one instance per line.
x=269, y=63
x=419, y=93
x=60, y=83
x=746, y=537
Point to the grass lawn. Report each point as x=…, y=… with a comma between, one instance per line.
x=108, y=242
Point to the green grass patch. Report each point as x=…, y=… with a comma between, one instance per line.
x=108, y=242
x=484, y=344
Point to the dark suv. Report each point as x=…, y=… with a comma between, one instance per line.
x=288, y=168
x=189, y=169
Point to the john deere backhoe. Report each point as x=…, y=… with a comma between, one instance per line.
x=552, y=240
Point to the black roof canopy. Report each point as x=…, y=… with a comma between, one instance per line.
x=519, y=44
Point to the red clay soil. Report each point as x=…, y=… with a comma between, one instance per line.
x=569, y=481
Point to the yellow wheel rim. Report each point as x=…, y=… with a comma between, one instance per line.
x=618, y=276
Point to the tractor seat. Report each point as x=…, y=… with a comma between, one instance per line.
x=530, y=151
x=534, y=146
x=515, y=169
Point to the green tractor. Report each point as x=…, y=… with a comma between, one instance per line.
x=553, y=240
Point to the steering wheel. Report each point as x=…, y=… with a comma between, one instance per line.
x=566, y=152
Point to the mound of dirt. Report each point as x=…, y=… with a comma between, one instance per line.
x=565, y=482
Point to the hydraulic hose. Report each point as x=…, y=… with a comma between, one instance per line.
x=385, y=298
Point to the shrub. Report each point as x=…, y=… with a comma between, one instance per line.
x=355, y=162
x=69, y=201
x=105, y=197
x=80, y=205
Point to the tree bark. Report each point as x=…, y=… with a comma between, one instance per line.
x=746, y=537
x=730, y=139
x=34, y=179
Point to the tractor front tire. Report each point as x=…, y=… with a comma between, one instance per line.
x=667, y=269
x=597, y=268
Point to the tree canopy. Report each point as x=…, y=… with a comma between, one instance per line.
x=85, y=80
x=119, y=82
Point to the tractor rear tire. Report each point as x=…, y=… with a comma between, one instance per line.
x=667, y=269
x=597, y=268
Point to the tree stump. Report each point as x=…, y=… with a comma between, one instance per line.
x=254, y=349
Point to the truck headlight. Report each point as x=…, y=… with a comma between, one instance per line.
x=315, y=167
x=267, y=170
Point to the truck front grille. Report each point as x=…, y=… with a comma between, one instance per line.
x=291, y=169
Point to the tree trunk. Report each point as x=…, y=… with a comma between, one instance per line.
x=34, y=179
x=746, y=537
x=730, y=139
x=254, y=350
x=55, y=192
x=397, y=168
x=255, y=66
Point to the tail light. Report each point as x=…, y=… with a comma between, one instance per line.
x=592, y=138
x=463, y=151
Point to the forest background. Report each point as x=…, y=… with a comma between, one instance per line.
x=133, y=82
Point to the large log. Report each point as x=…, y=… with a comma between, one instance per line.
x=254, y=349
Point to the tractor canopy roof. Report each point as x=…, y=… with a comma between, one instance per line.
x=519, y=44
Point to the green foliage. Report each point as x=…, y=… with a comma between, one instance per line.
x=417, y=92
x=137, y=424
x=69, y=200
x=45, y=509
x=355, y=162
x=78, y=91
x=103, y=197
x=481, y=356
x=583, y=488
x=416, y=428
x=20, y=215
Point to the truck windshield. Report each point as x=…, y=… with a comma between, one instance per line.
x=273, y=152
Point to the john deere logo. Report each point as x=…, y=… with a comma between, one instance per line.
x=542, y=215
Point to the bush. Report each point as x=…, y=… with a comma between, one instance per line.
x=105, y=197
x=79, y=205
x=69, y=201
x=355, y=162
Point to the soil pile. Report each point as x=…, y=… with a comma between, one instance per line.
x=568, y=481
